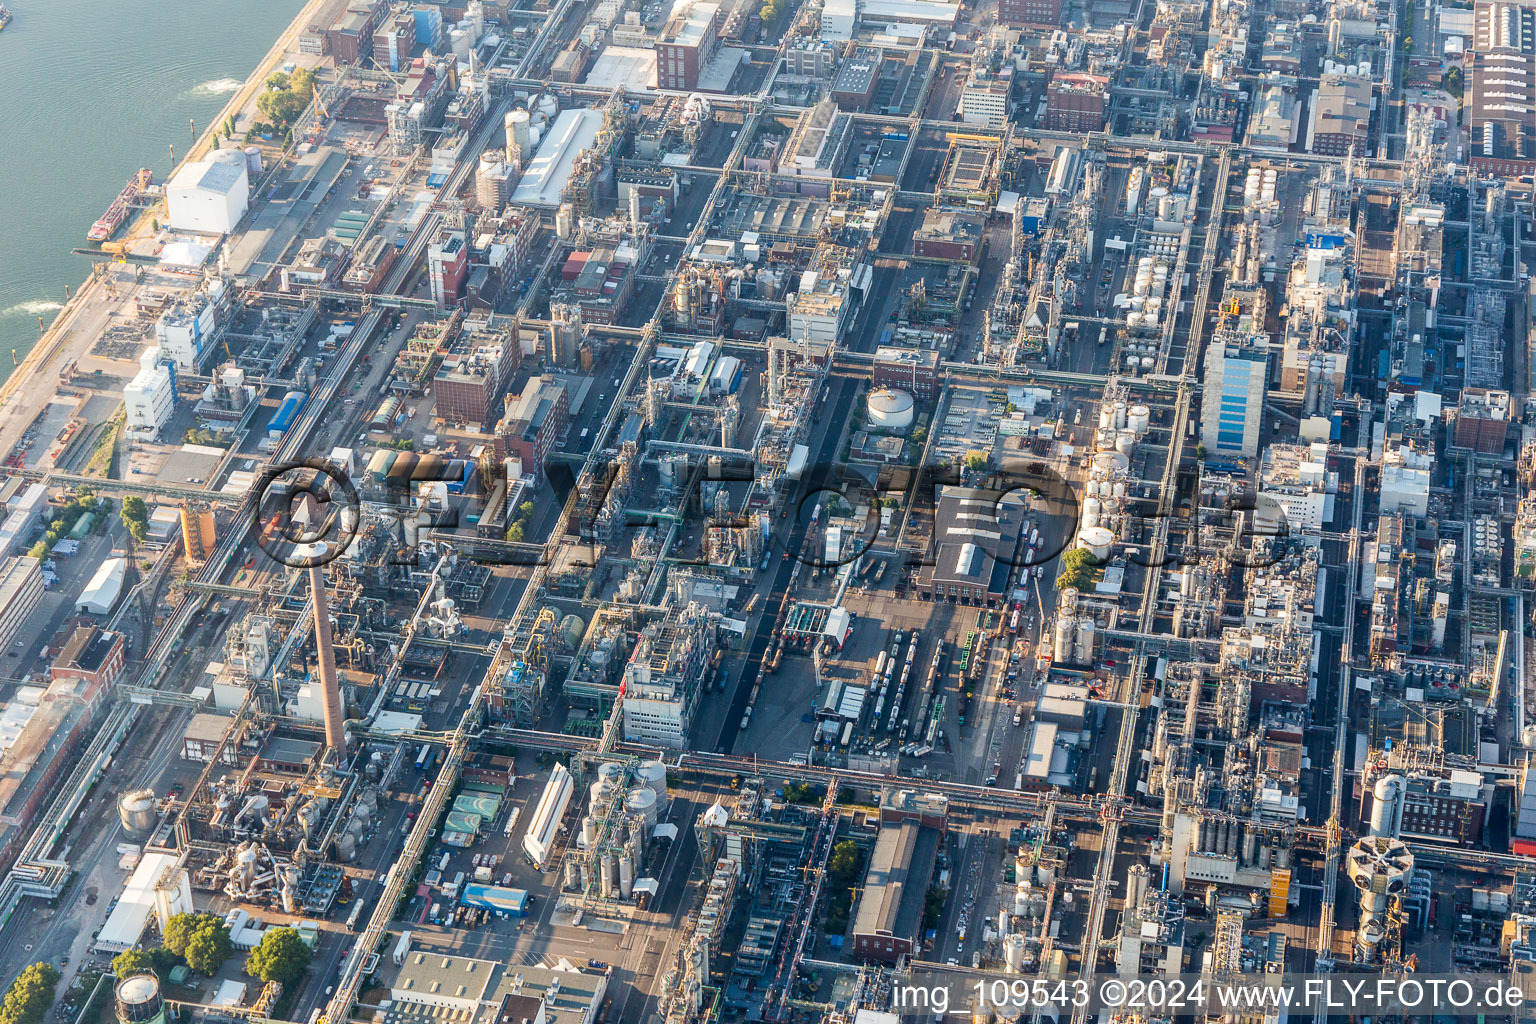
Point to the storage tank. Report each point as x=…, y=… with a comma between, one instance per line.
x=1125, y=442
x=890, y=409
x=1138, y=418
x=458, y=40
x=1062, y=650
x=136, y=810
x=609, y=870
x=138, y=1000
x=1097, y=540
x=1013, y=953
x=253, y=161
x=642, y=803
x=1085, y=637
x=627, y=875
x=588, y=831
x=653, y=776
x=1387, y=806
x=346, y=848
x=549, y=106
x=572, y=873
x=572, y=629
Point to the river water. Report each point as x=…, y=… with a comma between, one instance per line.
x=90, y=91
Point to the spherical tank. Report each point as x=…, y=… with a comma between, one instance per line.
x=572, y=629
x=136, y=810
x=890, y=409
x=1097, y=540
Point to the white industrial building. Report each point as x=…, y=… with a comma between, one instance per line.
x=104, y=589
x=549, y=171
x=209, y=196
x=1232, y=408
x=182, y=330
x=819, y=309
x=984, y=100
x=25, y=514
x=149, y=398
x=21, y=589
x=158, y=886
x=539, y=840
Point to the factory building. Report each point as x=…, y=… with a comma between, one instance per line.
x=150, y=398
x=1232, y=409
x=1075, y=102
x=393, y=42
x=976, y=535
x=915, y=371
x=185, y=327
x=21, y=590
x=1482, y=420
x=532, y=422
x=889, y=918
x=209, y=196
x=819, y=310
x=447, y=265
x=686, y=44
x=1030, y=13
x=664, y=677
x=949, y=235
x=1341, y=115
x=430, y=986
x=473, y=377
x=1296, y=478
x=1501, y=101
x=351, y=34
x=1432, y=802
x=93, y=656
x=985, y=99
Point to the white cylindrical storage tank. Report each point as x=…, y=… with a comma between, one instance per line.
x=1091, y=505
x=138, y=1000
x=1069, y=596
x=1062, y=650
x=642, y=803
x=588, y=831
x=1138, y=418
x=1106, y=417
x=653, y=775
x=346, y=848
x=1120, y=412
x=890, y=409
x=1110, y=463
x=1013, y=953
x=1085, y=634
x=1125, y=442
x=253, y=161
x=611, y=770
x=1386, y=806
x=572, y=873
x=1165, y=208
x=609, y=870
x=1097, y=540
x=627, y=875
x=1090, y=519
x=458, y=41
x=549, y=106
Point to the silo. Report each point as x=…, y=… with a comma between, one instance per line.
x=458, y=40
x=609, y=869
x=653, y=776
x=1387, y=806
x=138, y=1000
x=572, y=873
x=626, y=876
x=1138, y=418
x=1097, y=540
x=1085, y=632
x=1013, y=953
x=519, y=130
x=346, y=848
x=588, y=831
x=641, y=802
x=1062, y=650
x=136, y=810
x=1125, y=442
x=1136, y=886
x=253, y=161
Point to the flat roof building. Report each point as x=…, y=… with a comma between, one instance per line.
x=547, y=175
x=889, y=917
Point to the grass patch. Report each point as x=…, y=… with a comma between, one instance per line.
x=104, y=459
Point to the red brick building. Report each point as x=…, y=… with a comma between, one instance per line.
x=532, y=423
x=687, y=43
x=915, y=371
x=92, y=655
x=1032, y=13
x=351, y=35
x=1075, y=102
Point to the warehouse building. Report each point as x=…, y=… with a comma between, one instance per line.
x=889, y=918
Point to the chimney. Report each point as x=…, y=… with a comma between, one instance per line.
x=330, y=685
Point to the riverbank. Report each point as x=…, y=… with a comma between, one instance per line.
x=28, y=386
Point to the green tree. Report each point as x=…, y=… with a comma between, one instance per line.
x=845, y=860
x=975, y=460
x=1078, y=569
x=525, y=509
x=208, y=949
x=919, y=436
x=39, y=550
x=281, y=956
x=135, y=961
x=136, y=517
x=30, y=995
x=933, y=906
x=180, y=929
x=277, y=80
x=515, y=532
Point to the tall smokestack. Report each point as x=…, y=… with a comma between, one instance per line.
x=335, y=715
